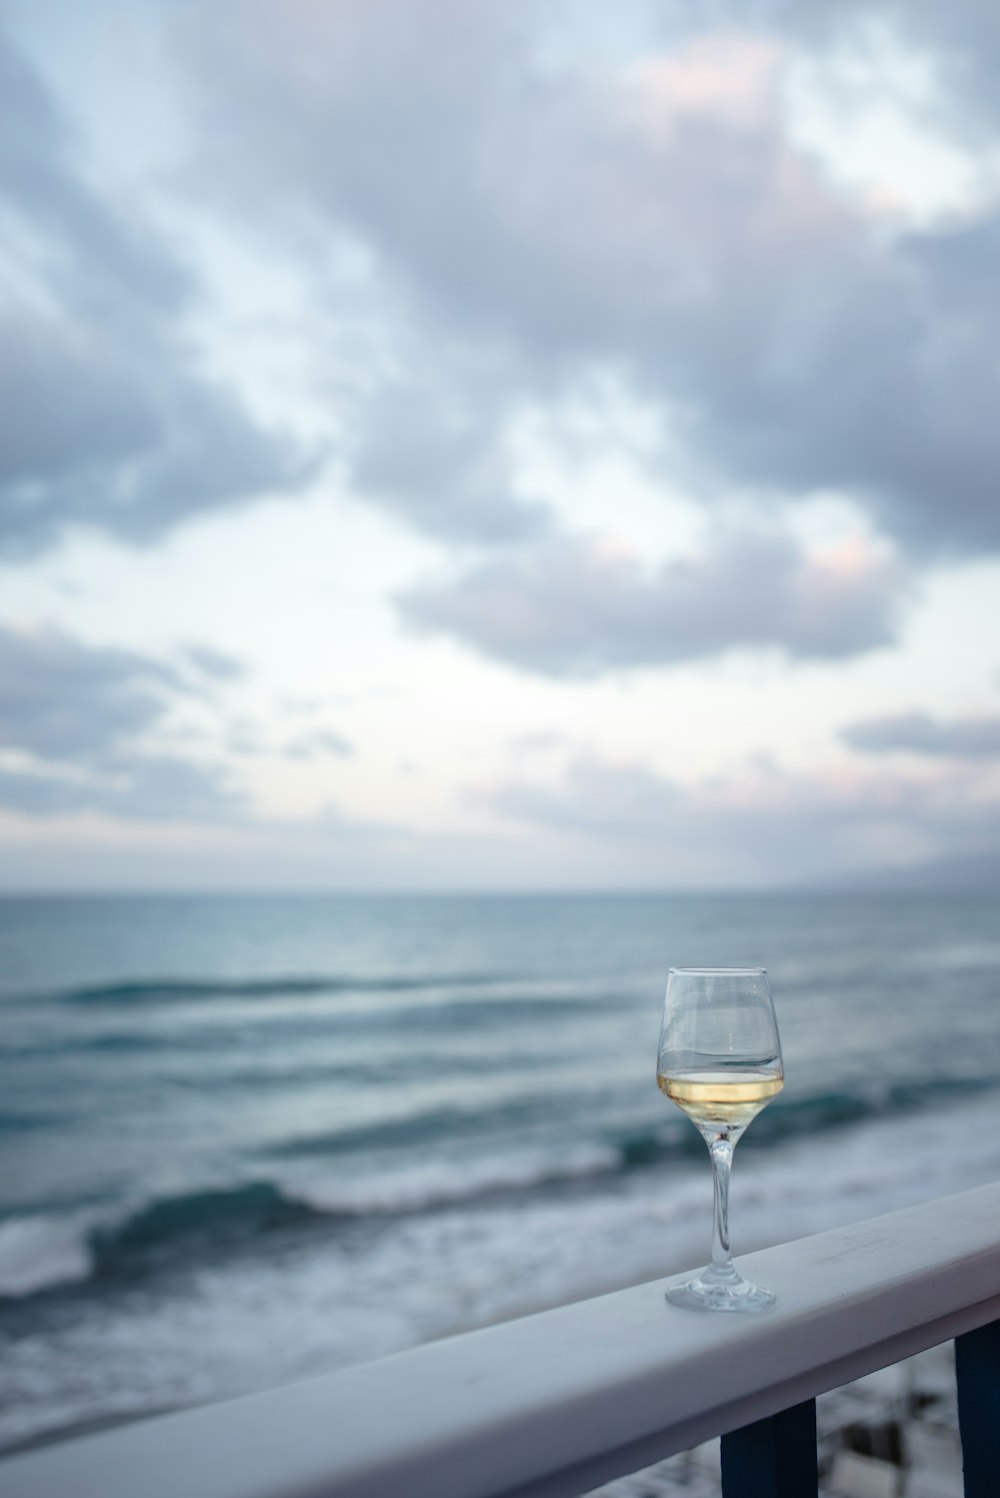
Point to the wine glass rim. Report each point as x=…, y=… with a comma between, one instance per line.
x=722, y=972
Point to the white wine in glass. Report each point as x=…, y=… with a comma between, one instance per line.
x=720, y=1061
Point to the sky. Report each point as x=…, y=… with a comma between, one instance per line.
x=453, y=445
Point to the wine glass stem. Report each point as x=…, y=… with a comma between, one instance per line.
x=720, y=1148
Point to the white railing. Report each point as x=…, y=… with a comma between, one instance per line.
x=556, y=1403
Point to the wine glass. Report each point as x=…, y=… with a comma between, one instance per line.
x=720, y=1061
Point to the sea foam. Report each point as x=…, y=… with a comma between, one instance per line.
x=41, y=1251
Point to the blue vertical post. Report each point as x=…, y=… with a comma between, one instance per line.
x=977, y=1369
x=772, y=1458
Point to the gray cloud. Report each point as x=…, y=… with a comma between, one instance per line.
x=317, y=742
x=215, y=664
x=60, y=699
x=963, y=40
x=78, y=712
x=664, y=227
x=73, y=227
x=104, y=418
x=428, y=449
x=921, y=733
x=162, y=786
x=758, y=826
x=66, y=405
x=145, y=788
x=523, y=221
x=571, y=608
x=125, y=442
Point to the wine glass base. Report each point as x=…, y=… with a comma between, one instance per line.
x=730, y=1293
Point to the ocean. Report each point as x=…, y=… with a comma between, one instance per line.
x=245, y=1140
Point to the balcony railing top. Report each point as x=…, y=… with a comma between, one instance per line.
x=556, y=1403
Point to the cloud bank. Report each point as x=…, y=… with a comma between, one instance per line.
x=922, y=733
x=653, y=215
x=105, y=417
x=485, y=214
x=756, y=826
x=575, y=608
x=76, y=723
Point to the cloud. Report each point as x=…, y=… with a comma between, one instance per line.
x=79, y=715
x=63, y=700
x=318, y=742
x=105, y=418
x=429, y=448
x=73, y=227
x=963, y=40
x=117, y=434
x=143, y=788
x=757, y=825
x=520, y=221
x=921, y=733
x=578, y=608
x=215, y=664
x=652, y=215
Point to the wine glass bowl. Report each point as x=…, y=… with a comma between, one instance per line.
x=719, y=1060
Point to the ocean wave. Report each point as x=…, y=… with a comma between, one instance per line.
x=446, y=1007
x=798, y=1117
x=424, y=1188
x=441, y=1123
x=48, y=1251
x=326, y=1304
x=15, y=1122
x=665, y=1134
x=167, y=990
x=42, y=1252
x=38, y=1252
x=191, y=1219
